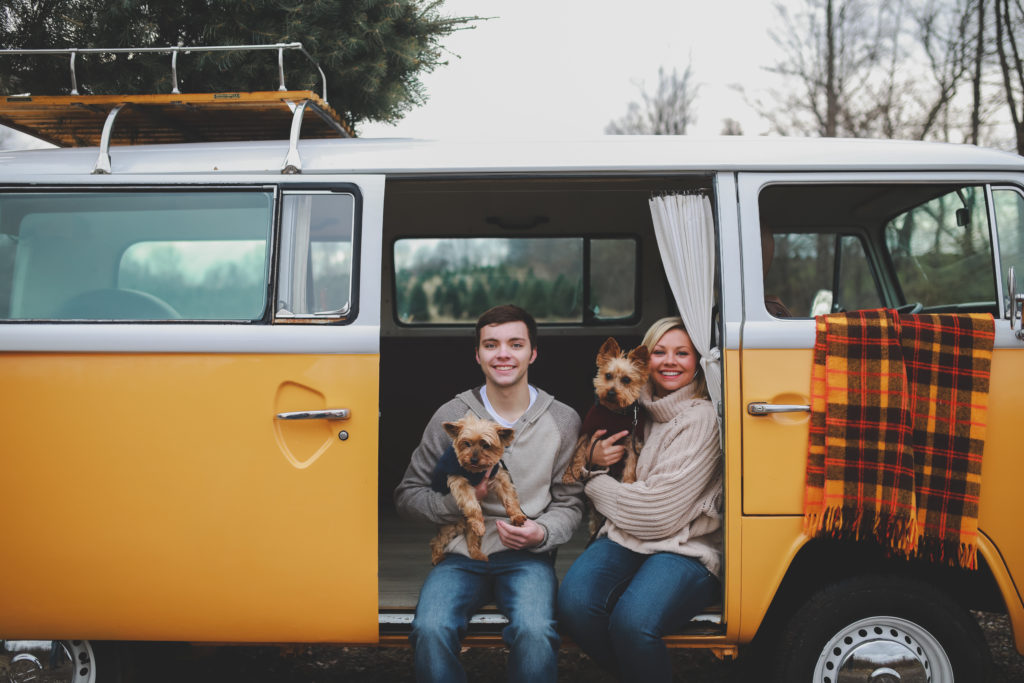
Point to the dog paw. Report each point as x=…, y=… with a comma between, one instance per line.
x=477, y=526
x=478, y=555
x=518, y=520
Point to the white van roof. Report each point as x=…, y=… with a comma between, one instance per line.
x=608, y=154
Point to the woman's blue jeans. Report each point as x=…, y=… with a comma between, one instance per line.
x=617, y=604
x=523, y=586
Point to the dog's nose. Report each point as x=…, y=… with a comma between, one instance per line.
x=474, y=460
x=612, y=394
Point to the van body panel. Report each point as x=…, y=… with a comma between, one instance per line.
x=189, y=338
x=199, y=516
x=769, y=546
x=775, y=446
x=629, y=154
x=1002, y=469
x=734, y=483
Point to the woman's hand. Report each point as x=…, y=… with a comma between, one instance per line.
x=606, y=452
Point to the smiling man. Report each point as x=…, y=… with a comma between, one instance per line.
x=519, y=575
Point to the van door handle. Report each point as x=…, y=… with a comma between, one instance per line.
x=762, y=408
x=333, y=414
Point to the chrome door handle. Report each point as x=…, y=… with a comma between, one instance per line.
x=762, y=408
x=335, y=414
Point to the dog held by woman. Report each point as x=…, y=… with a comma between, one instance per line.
x=617, y=385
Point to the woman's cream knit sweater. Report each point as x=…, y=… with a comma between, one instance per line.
x=675, y=504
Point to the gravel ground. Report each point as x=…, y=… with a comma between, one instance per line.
x=320, y=664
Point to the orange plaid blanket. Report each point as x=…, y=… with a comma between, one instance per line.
x=898, y=416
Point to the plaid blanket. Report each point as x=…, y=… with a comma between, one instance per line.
x=898, y=415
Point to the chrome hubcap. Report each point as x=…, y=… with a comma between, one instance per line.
x=46, y=661
x=883, y=650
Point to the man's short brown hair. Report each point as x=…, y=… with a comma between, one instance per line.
x=507, y=313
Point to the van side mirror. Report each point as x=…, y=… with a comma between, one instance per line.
x=1016, y=303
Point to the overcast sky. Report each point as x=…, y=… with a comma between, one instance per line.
x=558, y=68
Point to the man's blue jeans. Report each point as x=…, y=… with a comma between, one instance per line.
x=521, y=583
x=617, y=604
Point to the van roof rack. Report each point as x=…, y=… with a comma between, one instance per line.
x=77, y=120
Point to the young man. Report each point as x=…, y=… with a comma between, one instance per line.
x=519, y=575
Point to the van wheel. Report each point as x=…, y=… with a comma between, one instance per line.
x=881, y=629
x=58, y=661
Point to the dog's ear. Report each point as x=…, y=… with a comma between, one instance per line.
x=506, y=434
x=639, y=357
x=610, y=349
x=453, y=429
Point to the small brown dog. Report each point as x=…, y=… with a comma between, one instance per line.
x=477, y=447
x=617, y=385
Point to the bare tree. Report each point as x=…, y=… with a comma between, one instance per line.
x=871, y=68
x=669, y=111
x=935, y=65
x=977, y=69
x=831, y=50
x=1009, y=16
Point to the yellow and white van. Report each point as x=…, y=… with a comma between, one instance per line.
x=212, y=374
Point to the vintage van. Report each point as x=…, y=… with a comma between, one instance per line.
x=213, y=374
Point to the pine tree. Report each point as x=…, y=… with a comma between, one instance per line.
x=372, y=51
x=419, y=310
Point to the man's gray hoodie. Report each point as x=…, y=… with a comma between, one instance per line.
x=541, y=450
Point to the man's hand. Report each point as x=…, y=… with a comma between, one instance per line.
x=528, y=535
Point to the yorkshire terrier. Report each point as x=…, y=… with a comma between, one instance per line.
x=476, y=450
x=617, y=385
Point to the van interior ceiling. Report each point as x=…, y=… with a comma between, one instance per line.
x=578, y=252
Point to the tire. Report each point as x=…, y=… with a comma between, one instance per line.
x=864, y=628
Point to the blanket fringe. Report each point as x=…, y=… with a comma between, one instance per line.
x=951, y=552
x=897, y=533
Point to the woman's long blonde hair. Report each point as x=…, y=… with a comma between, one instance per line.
x=658, y=330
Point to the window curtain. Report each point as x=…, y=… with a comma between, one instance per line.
x=685, y=230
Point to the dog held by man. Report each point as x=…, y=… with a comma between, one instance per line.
x=519, y=575
x=475, y=453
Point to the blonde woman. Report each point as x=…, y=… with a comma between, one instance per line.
x=656, y=561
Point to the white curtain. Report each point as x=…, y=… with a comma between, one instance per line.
x=685, y=230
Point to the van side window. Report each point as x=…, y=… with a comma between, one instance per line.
x=942, y=252
x=454, y=280
x=913, y=247
x=205, y=279
x=817, y=273
x=135, y=255
x=317, y=267
x=613, y=276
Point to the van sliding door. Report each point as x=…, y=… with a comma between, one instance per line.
x=189, y=404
